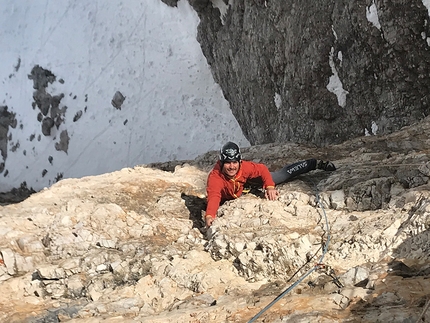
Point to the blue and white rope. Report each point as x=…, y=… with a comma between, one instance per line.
x=307, y=273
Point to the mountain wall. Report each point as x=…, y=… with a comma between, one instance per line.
x=318, y=72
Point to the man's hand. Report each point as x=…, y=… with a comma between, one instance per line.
x=271, y=193
x=209, y=219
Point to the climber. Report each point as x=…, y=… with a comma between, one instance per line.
x=227, y=179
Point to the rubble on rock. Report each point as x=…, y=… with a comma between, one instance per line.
x=130, y=245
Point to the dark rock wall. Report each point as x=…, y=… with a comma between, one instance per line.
x=7, y=119
x=263, y=49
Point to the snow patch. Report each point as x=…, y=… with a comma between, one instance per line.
x=334, y=32
x=278, y=101
x=222, y=7
x=426, y=3
x=372, y=15
x=424, y=37
x=149, y=52
x=374, y=129
x=335, y=85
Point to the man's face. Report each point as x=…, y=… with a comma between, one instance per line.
x=230, y=168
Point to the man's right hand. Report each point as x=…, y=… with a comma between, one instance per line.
x=209, y=220
x=272, y=193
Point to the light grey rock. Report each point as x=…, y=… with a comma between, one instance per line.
x=30, y=245
x=338, y=199
x=117, y=100
x=24, y=264
x=340, y=300
x=107, y=243
x=8, y=260
x=75, y=286
x=124, y=246
x=51, y=272
x=355, y=276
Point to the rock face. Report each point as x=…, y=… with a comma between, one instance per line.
x=130, y=246
x=319, y=72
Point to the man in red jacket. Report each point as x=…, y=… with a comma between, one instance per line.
x=228, y=177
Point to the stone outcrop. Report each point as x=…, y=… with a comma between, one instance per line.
x=318, y=72
x=7, y=119
x=131, y=246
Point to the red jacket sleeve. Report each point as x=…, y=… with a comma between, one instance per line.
x=253, y=170
x=213, y=189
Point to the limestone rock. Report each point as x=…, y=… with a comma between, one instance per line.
x=353, y=245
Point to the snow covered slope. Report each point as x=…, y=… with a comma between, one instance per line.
x=167, y=103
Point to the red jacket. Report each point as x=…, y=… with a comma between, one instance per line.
x=220, y=188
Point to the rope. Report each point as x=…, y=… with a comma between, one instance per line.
x=317, y=266
x=320, y=263
x=423, y=312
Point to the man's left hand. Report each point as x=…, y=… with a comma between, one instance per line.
x=271, y=193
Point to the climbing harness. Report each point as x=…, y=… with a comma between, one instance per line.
x=318, y=266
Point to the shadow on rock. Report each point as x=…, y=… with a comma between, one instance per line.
x=400, y=287
x=196, y=206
